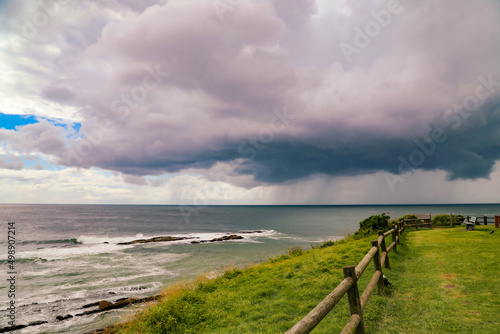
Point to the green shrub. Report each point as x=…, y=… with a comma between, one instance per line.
x=375, y=222
x=325, y=244
x=444, y=220
x=295, y=251
x=372, y=225
x=407, y=217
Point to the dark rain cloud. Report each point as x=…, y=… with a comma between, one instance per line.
x=179, y=86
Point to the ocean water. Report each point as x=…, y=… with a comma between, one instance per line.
x=68, y=255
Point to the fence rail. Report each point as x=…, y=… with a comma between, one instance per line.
x=425, y=220
x=479, y=219
x=379, y=254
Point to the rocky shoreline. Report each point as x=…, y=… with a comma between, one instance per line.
x=170, y=238
x=155, y=239
x=104, y=305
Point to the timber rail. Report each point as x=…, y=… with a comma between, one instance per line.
x=425, y=220
x=379, y=253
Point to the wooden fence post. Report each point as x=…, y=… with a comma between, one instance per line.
x=394, y=236
x=384, y=249
x=353, y=296
x=485, y=220
x=397, y=233
x=378, y=266
x=451, y=218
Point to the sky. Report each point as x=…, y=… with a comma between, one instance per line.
x=205, y=102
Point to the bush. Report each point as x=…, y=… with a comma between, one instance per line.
x=372, y=224
x=444, y=220
x=325, y=244
x=375, y=222
x=400, y=219
x=295, y=251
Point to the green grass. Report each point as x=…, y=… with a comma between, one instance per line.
x=444, y=281
x=265, y=298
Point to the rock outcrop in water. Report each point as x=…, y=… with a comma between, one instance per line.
x=16, y=327
x=168, y=238
x=224, y=238
x=104, y=305
x=155, y=239
x=101, y=306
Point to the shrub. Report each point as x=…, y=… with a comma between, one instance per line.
x=372, y=224
x=444, y=220
x=295, y=251
x=375, y=222
x=407, y=217
x=326, y=244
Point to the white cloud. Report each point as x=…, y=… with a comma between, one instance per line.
x=160, y=97
x=97, y=186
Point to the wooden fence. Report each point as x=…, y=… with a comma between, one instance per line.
x=424, y=220
x=379, y=253
x=484, y=219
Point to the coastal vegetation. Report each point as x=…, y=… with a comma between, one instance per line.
x=372, y=225
x=444, y=281
x=445, y=220
x=269, y=297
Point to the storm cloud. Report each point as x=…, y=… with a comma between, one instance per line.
x=276, y=91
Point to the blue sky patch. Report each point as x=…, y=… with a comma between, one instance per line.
x=10, y=122
x=41, y=163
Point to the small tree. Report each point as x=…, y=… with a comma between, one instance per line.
x=444, y=220
x=375, y=222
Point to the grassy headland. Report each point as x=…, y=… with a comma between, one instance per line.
x=264, y=298
x=445, y=281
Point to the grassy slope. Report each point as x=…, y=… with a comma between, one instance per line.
x=444, y=281
x=265, y=298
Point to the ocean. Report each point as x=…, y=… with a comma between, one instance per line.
x=68, y=256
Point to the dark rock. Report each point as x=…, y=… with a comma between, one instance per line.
x=155, y=239
x=224, y=238
x=12, y=328
x=91, y=305
x=16, y=327
x=247, y=232
x=63, y=317
x=227, y=237
x=104, y=304
x=36, y=323
x=121, y=299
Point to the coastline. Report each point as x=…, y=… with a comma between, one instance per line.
x=66, y=263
